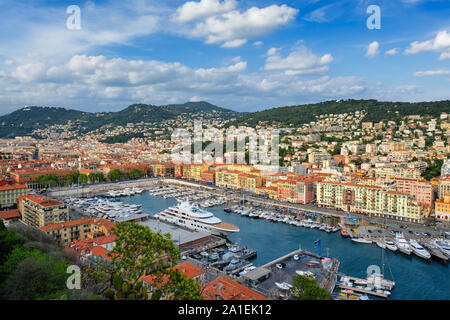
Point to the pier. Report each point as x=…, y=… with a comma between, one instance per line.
x=374, y=293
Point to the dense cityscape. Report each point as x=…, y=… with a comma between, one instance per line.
x=269, y=154
x=338, y=166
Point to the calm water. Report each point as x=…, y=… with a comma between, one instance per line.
x=414, y=277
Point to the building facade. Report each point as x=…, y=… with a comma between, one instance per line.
x=39, y=211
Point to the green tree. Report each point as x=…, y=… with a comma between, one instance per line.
x=306, y=288
x=114, y=175
x=139, y=252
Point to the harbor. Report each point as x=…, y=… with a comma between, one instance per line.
x=274, y=231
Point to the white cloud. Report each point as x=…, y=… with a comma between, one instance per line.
x=234, y=43
x=234, y=28
x=441, y=43
x=257, y=43
x=392, y=52
x=372, y=49
x=301, y=61
x=439, y=72
x=192, y=10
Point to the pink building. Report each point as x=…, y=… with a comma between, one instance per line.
x=420, y=190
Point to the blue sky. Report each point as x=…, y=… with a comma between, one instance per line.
x=244, y=55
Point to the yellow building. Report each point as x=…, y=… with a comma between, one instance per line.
x=39, y=211
x=227, y=178
x=10, y=193
x=249, y=182
x=78, y=230
x=442, y=209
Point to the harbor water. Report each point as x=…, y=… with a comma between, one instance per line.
x=415, y=279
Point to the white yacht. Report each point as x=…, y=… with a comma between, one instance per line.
x=419, y=250
x=402, y=244
x=390, y=245
x=443, y=245
x=191, y=216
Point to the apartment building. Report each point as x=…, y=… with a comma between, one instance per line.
x=420, y=189
x=29, y=176
x=78, y=230
x=371, y=200
x=397, y=172
x=296, y=190
x=442, y=209
x=444, y=186
x=10, y=192
x=227, y=178
x=39, y=211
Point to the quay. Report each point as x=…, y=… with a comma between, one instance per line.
x=374, y=293
x=267, y=278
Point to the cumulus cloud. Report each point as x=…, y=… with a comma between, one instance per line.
x=301, y=61
x=192, y=10
x=372, y=49
x=233, y=28
x=440, y=43
x=392, y=52
x=439, y=72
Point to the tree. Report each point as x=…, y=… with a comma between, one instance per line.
x=139, y=252
x=306, y=288
x=114, y=175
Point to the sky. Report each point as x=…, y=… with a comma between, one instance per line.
x=245, y=55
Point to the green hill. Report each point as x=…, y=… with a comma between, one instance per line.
x=376, y=111
x=27, y=119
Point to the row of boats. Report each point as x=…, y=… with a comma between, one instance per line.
x=279, y=217
x=438, y=248
x=124, y=193
x=104, y=208
x=235, y=260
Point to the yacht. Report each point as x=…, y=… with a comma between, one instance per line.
x=361, y=240
x=390, y=245
x=191, y=216
x=419, y=250
x=443, y=245
x=402, y=244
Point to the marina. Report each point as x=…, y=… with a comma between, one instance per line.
x=270, y=231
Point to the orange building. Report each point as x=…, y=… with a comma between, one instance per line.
x=223, y=288
x=442, y=209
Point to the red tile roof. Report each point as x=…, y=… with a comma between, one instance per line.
x=9, y=214
x=223, y=288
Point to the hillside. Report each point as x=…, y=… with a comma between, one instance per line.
x=376, y=111
x=27, y=119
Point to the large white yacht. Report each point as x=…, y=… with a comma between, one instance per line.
x=191, y=216
x=419, y=250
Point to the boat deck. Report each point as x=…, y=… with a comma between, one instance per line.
x=227, y=226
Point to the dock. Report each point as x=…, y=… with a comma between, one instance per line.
x=383, y=282
x=374, y=293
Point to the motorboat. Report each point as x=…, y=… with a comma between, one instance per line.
x=283, y=286
x=443, y=246
x=361, y=240
x=402, y=244
x=305, y=273
x=419, y=250
x=390, y=245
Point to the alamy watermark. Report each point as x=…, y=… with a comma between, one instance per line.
x=74, y=280
x=242, y=146
x=374, y=20
x=73, y=22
